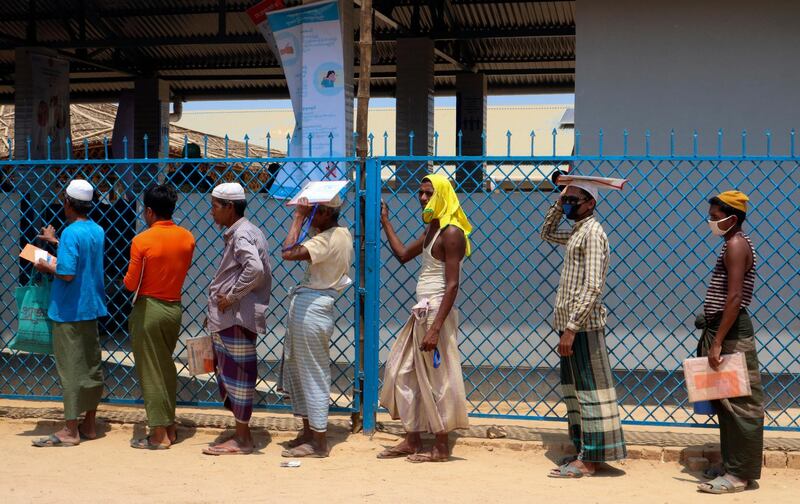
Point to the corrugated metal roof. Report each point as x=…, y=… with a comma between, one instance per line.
x=522, y=46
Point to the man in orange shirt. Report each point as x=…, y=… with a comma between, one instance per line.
x=160, y=259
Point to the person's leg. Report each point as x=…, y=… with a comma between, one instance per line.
x=235, y=353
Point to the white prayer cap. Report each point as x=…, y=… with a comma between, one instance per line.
x=589, y=187
x=80, y=190
x=231, y=191
x=336, y=202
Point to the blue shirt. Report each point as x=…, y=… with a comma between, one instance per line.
x=80, y=255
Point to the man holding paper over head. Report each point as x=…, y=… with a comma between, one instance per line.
x=77, y=300
x=237, y=301
x=423, y=384
x=160, y=260
x=580, y=318
x=727, y=329
x=306, y=373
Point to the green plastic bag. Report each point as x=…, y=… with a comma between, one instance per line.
x=34, y=329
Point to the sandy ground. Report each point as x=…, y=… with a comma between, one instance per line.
x=108, y=471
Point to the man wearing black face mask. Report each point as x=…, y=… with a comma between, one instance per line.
x=580, y=318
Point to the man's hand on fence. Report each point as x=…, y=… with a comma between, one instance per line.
x=565, y=343
x=49, y=235
x=384, y=212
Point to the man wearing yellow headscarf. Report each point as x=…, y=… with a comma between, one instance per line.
x=422, y=383
x=727, y=329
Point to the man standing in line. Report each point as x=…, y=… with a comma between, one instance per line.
x=77, y=300
x=306, y=372
x=160, y=259
x=727, y=329
x=423, y=384
x=580, y=318
x=237, y=302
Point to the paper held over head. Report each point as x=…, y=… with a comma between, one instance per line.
x=705, y=384
x=318, y=192
x=616, y=184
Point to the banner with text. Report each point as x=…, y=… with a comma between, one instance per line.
x=309, y=43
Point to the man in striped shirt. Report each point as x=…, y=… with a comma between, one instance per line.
x=580, y=318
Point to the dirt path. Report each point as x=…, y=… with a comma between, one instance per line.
x=107, y=470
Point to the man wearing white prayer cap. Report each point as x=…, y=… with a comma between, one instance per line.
x=580, y=318
x=77, y=300
x=237, y=301
x=305, y=370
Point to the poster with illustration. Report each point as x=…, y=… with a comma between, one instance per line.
x=309, y=43
x=51, y=105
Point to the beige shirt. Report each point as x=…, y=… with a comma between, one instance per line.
x=331, y=258
x=579, y=299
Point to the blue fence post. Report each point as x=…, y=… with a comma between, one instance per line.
x=372, y=297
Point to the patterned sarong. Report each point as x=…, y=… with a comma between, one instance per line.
x=236, y=366
x=306, y=371
x=154, y=326
x=592, y=410
x=424, y=398
x=741, y=419
x=76, y=348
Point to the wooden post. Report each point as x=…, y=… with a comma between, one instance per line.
x=362, y=151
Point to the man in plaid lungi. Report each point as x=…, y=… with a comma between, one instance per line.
x=580, y=318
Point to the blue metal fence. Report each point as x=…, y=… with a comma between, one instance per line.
x=32, y=199
x=662, y=255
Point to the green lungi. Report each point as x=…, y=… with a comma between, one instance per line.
x=154, y=326
x=741, y=419
x=76, y=348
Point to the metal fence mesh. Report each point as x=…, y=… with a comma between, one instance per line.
x=662, y=255
x=32, y=199
x=661, y=259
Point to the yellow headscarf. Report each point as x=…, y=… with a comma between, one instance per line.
x=445, y=207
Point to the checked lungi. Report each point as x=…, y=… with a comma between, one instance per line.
x=236, y=366
x=588, y=388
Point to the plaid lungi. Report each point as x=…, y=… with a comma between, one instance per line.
x=588, y=389
x=237, y=369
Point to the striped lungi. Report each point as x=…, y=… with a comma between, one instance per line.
x=592, y=410
x=236, y=366
x=306, y=371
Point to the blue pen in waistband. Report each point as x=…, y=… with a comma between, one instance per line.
x=304, y=231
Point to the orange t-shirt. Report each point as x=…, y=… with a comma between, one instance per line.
x=166, y=252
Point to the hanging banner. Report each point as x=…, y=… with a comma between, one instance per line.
x=309, y=44
x=258, y=15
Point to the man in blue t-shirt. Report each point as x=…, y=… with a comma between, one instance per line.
x=77, y=299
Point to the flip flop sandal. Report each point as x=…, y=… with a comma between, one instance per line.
x=220, y=450
x=567, y=471
x=392, y=453
x=421, y=458
x=720, y=485
x=52, y=441
x=146, y=444
x=567, y=460
x=304, y=450
x=294, y=443
x=714, y=472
